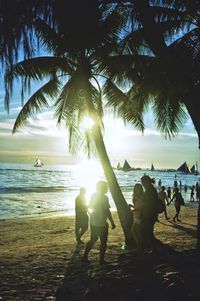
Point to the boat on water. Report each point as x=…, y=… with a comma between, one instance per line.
x=152, y=167
x=38, y=163
x=184, y=168
x=119, y=166
x=194, y=169
x=126, y=166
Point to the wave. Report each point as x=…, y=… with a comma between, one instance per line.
x=34, y=170
x=6, y=190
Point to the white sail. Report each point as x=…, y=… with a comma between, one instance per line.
x=38, y=163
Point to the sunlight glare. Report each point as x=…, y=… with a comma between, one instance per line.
x=88, y=174
x=87, y=123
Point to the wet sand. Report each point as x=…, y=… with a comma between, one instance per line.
x=39, y=258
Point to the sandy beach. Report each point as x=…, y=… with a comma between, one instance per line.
x=39, y=258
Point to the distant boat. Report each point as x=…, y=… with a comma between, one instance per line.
x=119, y=166
x=194, y=169
x=152, y=167
x=126, y=166
x=184, y=168
x=38, y=163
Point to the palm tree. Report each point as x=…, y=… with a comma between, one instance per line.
x=161, y=57
x=73, y=90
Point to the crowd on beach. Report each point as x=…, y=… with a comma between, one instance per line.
x=148, y=201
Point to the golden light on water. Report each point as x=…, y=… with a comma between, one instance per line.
x=88, y=174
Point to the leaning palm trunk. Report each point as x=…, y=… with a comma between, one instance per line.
x=123, y=209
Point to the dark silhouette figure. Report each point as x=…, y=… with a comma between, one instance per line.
x=149, y=211
x=178, y=202
x=185, y=187
x=81, y=216
x=138, y=201
x=192, y=194
x=162, y=195
x=99, y=213
x=169, y=193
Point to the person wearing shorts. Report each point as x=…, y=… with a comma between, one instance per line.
x=99, y=210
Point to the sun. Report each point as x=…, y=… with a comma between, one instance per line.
x=88, y=174
x=87, y=123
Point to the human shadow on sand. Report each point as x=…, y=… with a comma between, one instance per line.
x=180, y=226
x=127, y=277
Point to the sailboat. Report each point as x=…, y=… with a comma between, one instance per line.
x=192, y=169
x=126, y=166
x=152, y=167
x=119, y=166
x=38, y=163
x=184, y=168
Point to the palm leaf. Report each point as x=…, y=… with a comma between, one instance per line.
x=36, y=102
x=170, y=116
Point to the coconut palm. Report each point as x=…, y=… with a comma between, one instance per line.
x=72, y=89
x=161, y=57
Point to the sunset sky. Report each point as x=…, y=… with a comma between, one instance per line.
x=42, y=139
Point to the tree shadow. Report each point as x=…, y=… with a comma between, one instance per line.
x=127, y=277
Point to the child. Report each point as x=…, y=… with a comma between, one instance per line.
x=138, y=199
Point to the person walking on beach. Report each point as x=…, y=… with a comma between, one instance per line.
x=138, y=200
x=192, y=194
x=169, y=194
x=81, y=216
x=178, y=202
x=99, y=209
x=162, y=195
x=149, y=210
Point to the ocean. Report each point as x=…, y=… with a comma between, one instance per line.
x=30, y=192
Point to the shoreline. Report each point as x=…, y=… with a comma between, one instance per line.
x=65, y=213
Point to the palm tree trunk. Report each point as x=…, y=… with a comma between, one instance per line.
x=123, y=210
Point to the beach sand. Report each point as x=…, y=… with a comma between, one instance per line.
x=39, y=258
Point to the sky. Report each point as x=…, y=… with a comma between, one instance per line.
x=41, y=138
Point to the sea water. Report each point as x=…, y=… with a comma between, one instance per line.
x=26, y=191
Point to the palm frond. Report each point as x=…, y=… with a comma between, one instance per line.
x=36, y=102
x=170, y=116
x=125, y=106
x=38, y=68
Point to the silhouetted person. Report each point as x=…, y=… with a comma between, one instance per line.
x=178, y=201
x=192, y=194
x=99, y=209
x=138, y=201
x=149, y=211
x=162, y=195
x=81, y=216
x=185, y=188
x=169, y=193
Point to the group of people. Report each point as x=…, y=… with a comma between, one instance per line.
x=145, y=201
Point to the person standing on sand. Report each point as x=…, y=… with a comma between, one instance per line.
x=138, y=200
x=169, y=194
x=149, y=211
x=192, y=194
x=99, y=209
x=81, y=216
x=178, y=201
x=162, y=195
